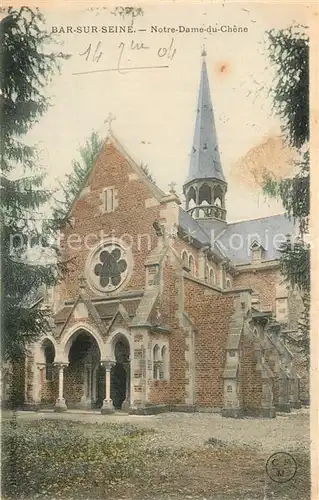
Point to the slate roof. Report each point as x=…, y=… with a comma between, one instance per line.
x=62, y=315
x=105, y=310
x=204, y=158
x=194, y=229
x=235, y=240
x=108, y=310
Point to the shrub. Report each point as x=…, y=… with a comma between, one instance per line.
x=51, y=458
x=215, y=442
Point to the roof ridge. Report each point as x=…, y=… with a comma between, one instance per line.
x=257, y=218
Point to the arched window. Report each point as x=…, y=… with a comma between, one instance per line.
x=49, y=354
x=156, y=362
x=185, y=258
x=191, y=198
x=164, y=367
x=206, y=273
x=228, y=283
x=212, y=277
x=205, y=194
x=218, y=196
x=160, y=363
x=191, y=264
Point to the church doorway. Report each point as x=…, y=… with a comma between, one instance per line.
x=82, y=376
x=120, y=375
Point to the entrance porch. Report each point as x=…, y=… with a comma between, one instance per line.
x=85, y=381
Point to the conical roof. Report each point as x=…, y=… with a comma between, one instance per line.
x=204, y=158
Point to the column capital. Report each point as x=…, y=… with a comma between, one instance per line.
x=61, y=364
x=108, y=363
x=41, y=366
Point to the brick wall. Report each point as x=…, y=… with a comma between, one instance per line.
x=159, y=392
x=171, y=304
x=249, y=376
x=49, y=388
x=73, y=382
x=212, y=312
x=262, y=281
x=181, y=245
x=130, y=220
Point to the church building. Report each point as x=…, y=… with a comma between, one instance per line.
x=166, y=308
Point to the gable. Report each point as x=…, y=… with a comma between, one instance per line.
x=117, y=204
x=256, y=246
x=81, y=310
x=113, y=163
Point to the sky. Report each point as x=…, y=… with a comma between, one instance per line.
x=155, y=107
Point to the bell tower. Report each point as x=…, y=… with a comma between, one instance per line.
x=205, y=188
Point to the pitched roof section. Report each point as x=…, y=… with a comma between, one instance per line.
x=236, y=239
x=233, y=241
x=198, y=232
x=204, y=159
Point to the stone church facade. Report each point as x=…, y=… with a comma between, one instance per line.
x=162, y=308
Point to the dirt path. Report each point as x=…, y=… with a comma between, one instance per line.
x=178, y=430
x=201, y=456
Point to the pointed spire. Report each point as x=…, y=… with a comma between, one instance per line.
x=204, y=159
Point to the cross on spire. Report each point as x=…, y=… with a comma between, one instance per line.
x=109, y=121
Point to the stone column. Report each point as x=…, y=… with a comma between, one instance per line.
x=201, y=264
x=37, y=382
x=127, y=402
x=107, y=407
x=197, y=202
x=60, y=404
x=94, y=383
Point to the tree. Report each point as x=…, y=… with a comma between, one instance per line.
x=73, y=182
x=289, y=52
x=26, y=66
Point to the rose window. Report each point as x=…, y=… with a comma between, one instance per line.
x=108, y=267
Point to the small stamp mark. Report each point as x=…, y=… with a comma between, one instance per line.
x=281, y=467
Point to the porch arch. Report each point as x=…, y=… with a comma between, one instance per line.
x=120, y=351
x=82, y=350
x=115, y=337
x=39, y=348
x=70, y=335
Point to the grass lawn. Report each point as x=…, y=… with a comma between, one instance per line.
x=72, y=460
